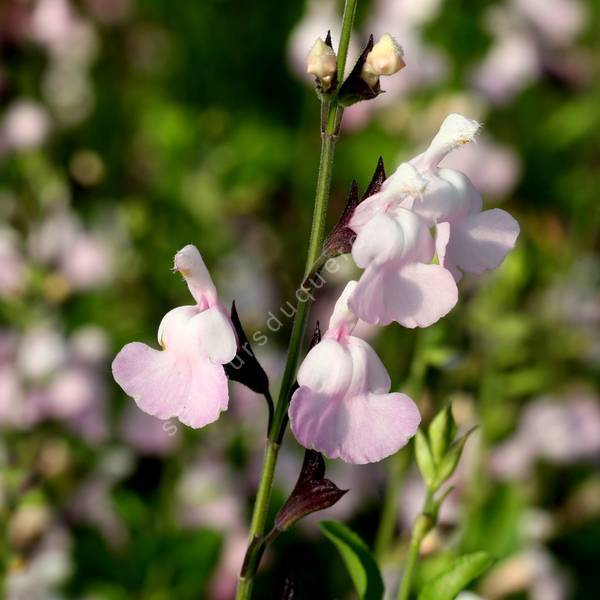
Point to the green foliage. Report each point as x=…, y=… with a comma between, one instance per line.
x=358, y=559
x=463, y=570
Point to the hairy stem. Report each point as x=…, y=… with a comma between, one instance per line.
x=332, y=122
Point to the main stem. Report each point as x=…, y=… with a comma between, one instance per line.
x=422, y=526
x=317, y=235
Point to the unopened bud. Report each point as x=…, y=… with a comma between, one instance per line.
x=386, y=58
x=322, y=63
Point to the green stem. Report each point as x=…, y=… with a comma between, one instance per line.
x=317, y=236
x=423, y=524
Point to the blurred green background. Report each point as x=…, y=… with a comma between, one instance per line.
x=131, y=128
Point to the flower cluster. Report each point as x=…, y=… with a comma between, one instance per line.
x=343, y=406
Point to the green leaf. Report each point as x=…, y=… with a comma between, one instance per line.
x=456, y=577
x=424, y=458
x=451, y=460
x=441, y=433
x=358, y=559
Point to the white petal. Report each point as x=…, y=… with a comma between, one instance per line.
x=455, y=131
x=482, y=241
x=188, y=261
x=470, y=198
x=414, y=295
x=215, y=333
x=368, y=372
x=174, y=328
x=380, y=240
x=342, y=320
x=327, y=368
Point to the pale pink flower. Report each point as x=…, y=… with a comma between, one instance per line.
x=395, y=248
x=493, y=168
x=467, y=239
x=185, y=379
x=25, y=125
x=558, y=21
x=147, y=435
x=511, y=64
x=343, y=407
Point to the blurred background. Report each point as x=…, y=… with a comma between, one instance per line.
x=130, y=128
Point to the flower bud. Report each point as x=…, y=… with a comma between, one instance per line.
x=322, y=63
x=386, y=58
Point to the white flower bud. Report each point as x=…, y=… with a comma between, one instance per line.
x=386, y=58
x=322, y=63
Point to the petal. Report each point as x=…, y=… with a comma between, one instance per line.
x=418, y=243
x=440, y=201
x=404, y=181
x=327, y=368
x=188, y=261
x=342, y=320
x=380, y=240
x=359, y=429
x=214, y=331
x=414, y=295
x=174, y=327
x=366, y=210
x=165, y=384
x=368, y=372
x=443, y=231
x=455, y=131
x=208, y=394
x=482, y=241
x=470, y=197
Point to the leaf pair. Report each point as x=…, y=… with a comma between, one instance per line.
x=438, y=454
x=366, y=577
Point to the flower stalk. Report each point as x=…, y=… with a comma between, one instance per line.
x=331, y=119
x=424, y=523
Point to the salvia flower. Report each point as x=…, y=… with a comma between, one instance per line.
x=468, y=239
x=343, y=406
x=394, y=246
x=186, y=378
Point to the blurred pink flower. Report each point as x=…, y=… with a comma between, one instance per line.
x=208, y=495
x=45, y=570
x=186, y=378
x=84, y=258
x=44, y=376
x=343, y=407
x=224, y=580
x=25, y=125
x=146, y=434
x=87, y=264
x=560, y=432
x=494, y=169
x=511, y=65
x=558, y=21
